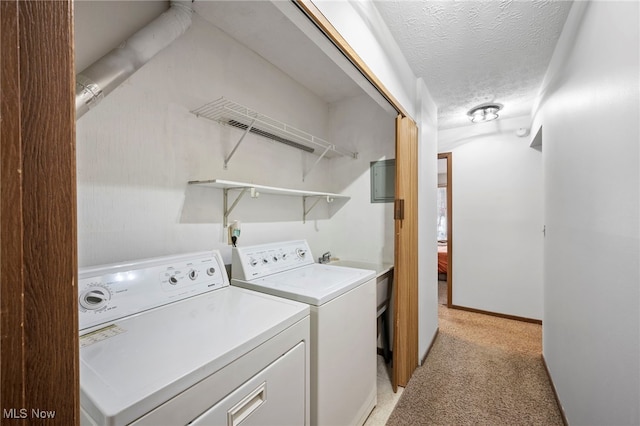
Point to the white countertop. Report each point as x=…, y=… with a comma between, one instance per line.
x=380, y=268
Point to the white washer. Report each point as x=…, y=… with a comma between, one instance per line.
x=343, y=323
x=167, y=341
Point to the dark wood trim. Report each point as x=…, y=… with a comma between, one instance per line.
x=433, y=340
x=323, y=24
x=39, y=262
x=12, y=347
x=496, y=314
x=447, y=156
x=555, y=392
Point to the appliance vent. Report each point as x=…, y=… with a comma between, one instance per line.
x=271, y=136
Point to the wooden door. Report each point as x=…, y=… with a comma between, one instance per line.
x=405, y=322
x=38, y=264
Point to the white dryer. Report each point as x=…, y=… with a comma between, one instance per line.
x=343, y=323
x=167, y=341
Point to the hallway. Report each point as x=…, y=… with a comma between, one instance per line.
x=481, y=370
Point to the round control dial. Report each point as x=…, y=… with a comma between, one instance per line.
x=301, y=253
x=94, y=298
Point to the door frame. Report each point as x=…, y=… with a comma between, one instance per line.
x=408, y=332
x=447, y=156
x=38, y=255
x=323, y=24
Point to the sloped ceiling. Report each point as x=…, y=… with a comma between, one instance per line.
x=263, y=28
x=471, y=52
x=467, y=52
x=100, y=26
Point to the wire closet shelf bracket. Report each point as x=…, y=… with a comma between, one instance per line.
x=229, y=113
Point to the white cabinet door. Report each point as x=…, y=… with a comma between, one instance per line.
x=275, y=396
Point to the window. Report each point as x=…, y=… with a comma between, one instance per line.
x=442, y=213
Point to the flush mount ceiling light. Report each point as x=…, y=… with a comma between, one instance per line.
x=484, y=112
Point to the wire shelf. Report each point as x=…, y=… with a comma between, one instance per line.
x=235, y=115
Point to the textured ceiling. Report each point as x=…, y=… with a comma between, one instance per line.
x=471, y=52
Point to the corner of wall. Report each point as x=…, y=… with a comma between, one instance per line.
x=427, y=120
x=565, y=43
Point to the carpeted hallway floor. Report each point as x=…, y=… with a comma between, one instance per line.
x=482, y=370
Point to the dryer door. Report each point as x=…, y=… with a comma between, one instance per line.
x=275, y=396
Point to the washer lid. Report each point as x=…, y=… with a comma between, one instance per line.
x=314, y=284
x=144, y=360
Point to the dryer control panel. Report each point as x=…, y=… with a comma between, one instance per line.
x=110, y=292
x=251, y=262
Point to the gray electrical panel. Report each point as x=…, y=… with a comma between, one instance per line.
x=383, y=181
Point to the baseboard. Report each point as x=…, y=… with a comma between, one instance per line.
x=433, y=340
x=555, y=392
x=496, y=314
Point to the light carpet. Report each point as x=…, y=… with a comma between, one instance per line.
x=482, y=370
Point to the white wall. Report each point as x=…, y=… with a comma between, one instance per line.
x=497, y=218
x=589, y=113
x=427, y=220
x=137, y=150
x=356, y=232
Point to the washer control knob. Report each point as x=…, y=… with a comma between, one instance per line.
x=275, y=258
x=301, y=253
x=253, y=262
x=193, y=274
x=284, y=256
x=211, y=270
x=265, y=260
x=94, y=298
x=173, y=280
